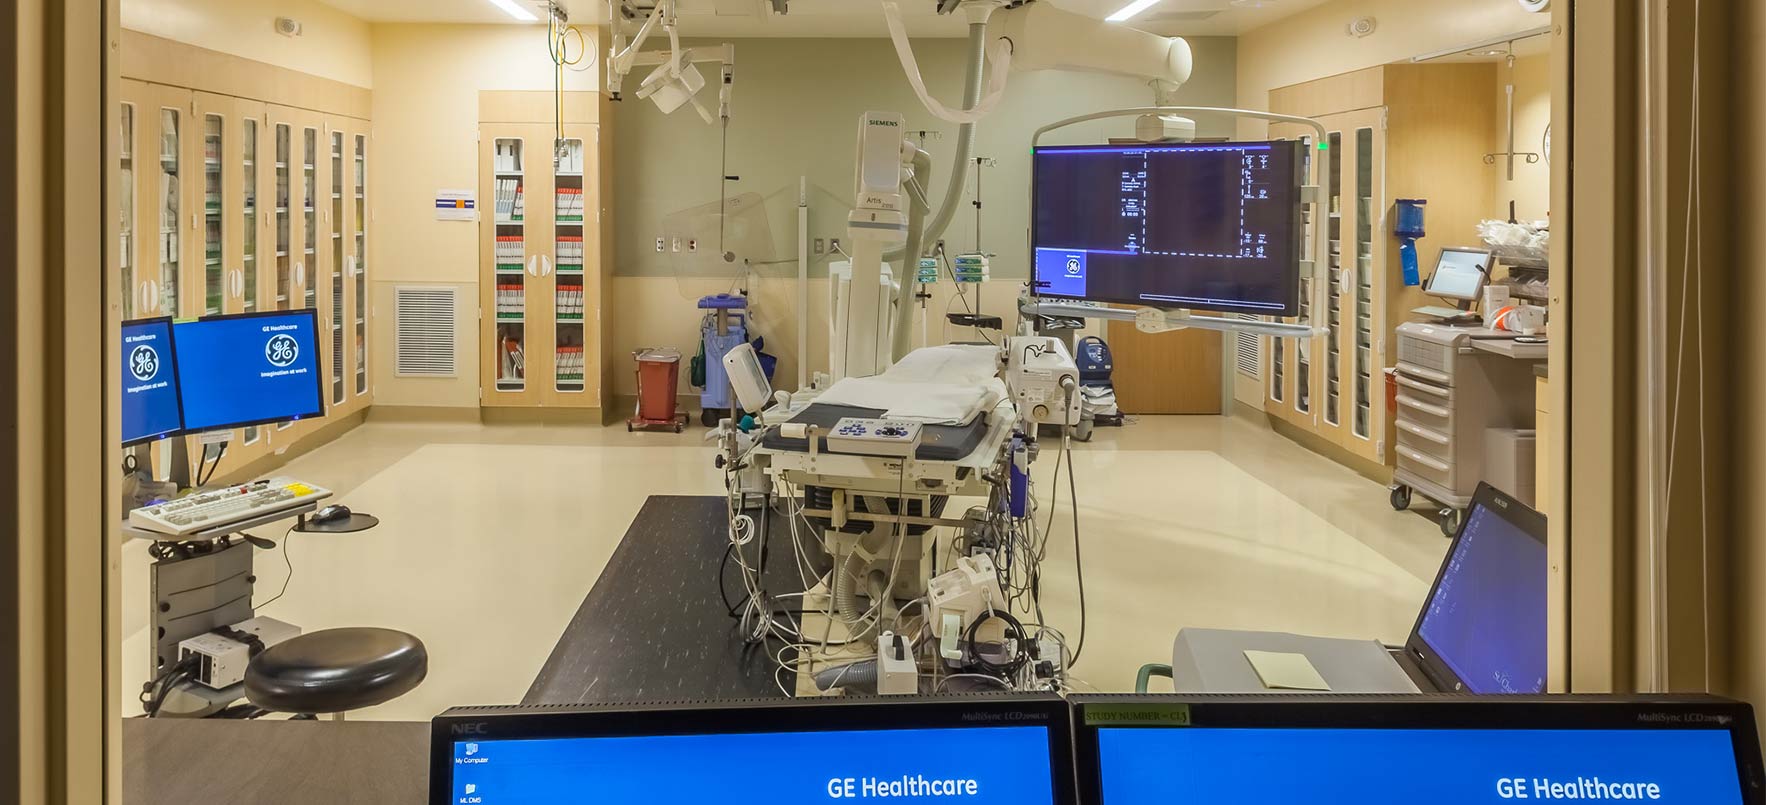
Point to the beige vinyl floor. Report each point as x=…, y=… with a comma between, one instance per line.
x=491, y=535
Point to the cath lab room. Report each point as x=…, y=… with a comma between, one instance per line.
x=503, y=401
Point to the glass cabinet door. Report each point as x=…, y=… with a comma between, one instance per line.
x=1365, y=207
x=170, y=194
x=511, y=265
x=568, y=298
x=248, y=265
x=360, y=277
x=284, y=224
x=1333, y=413
x=213, y=247
x=248, y=139
x=338, y=388
x=309, y=216
x=126, y=226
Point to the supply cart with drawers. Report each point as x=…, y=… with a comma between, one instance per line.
x=1455, y=386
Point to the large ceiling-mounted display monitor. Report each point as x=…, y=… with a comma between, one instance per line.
x=1203, y=226
x=249, y=369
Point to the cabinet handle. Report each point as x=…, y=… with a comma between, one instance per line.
x=349, y=266
x=545, y=266
x=150, y=296
x=533, y=266
x=238, y=282
x=300, y=273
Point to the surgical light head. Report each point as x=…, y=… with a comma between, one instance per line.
x=671, y=85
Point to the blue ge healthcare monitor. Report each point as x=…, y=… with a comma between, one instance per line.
x=973, y=752
x=1206, y=226
x=150, y=382
x=1278, y=750
x=249, y=369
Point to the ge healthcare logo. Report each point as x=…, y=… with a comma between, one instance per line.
x=1073, y=267
x=143, y=362
x=281, y=350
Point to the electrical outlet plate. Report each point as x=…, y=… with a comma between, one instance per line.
x=660, y=246
x=819, y=246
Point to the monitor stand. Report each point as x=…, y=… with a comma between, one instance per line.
x=1460, y=315
x=139, y=485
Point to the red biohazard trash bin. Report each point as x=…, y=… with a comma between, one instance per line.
x=659, y=378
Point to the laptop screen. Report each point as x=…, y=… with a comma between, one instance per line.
x=1253, y=766
x=1485, y=620
x=971, y=765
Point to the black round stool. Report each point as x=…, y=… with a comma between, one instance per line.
x=334, y=670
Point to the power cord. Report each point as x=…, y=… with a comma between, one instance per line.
x=1006, y=669
x=154, y=692
x=286, y=562
x=202, y=480
x=1078, y=557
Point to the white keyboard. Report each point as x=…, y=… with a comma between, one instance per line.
x=215, y=508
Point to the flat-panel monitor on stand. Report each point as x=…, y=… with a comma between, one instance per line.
x=1200, y=226
x=250, y=369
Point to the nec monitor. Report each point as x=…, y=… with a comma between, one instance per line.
x=1205, y=226
x=1482, y=627
x=1297, y=748
x=150, y=382
x=982, y=750
x=1460, y=273
x=249, y=369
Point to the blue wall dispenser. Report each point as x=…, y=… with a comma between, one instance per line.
x=1407, y=226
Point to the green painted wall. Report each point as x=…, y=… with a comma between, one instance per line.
x=796, y=108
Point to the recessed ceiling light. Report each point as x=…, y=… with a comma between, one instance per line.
x=1497, y=52
x=513, y=9
x=1128, y=11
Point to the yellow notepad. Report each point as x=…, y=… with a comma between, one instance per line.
x=1286, y=671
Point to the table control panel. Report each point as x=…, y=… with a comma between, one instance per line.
x=874, y=437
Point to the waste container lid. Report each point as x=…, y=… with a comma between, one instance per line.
x=723, y=301
x=659, y=355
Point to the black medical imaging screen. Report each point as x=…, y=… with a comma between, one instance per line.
x=1205, y=226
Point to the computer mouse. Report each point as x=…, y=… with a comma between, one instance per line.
x=332, y=514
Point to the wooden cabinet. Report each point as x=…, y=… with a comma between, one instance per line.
x=235, y=206
x=296, y=229
x=154, y=164
x=1165, y=373
x=229, y=233
x=1397, y=131
x=358, y=309
x=342, y=267
x=541, y=250
x=158, y=224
